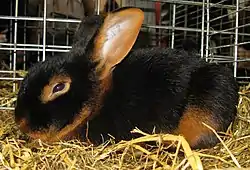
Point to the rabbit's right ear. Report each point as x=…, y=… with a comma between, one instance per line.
x=116, y=37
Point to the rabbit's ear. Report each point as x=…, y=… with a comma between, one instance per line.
x=116, y=37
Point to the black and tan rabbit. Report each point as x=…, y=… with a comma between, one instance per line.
x=103, y=88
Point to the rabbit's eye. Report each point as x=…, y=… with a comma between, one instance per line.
x=58, y=87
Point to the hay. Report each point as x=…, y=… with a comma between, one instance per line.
x=17, y=152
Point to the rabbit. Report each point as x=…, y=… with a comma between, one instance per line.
x=102, y=88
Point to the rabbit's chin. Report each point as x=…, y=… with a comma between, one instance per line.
x=54, y=134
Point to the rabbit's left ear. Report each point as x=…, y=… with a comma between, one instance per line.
x=116, y=37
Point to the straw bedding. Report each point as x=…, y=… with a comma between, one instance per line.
x=17, y=152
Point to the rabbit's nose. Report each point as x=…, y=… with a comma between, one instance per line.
x=23, y=125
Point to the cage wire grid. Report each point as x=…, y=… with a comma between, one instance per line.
x=221, y=28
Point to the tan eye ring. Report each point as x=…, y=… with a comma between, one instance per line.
x=57, y=87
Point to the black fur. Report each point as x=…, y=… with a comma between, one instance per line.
x=151, y=88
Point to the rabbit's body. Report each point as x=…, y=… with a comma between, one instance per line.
x=115, y=90
x=155, y=87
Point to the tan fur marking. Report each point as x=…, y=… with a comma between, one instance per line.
x=47, y=94
x=191, y=126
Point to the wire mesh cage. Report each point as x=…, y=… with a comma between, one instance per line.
x=34, y=30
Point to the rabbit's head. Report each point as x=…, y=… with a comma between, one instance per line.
x=58, y=96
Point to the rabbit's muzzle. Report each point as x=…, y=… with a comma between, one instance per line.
x=53, y=133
